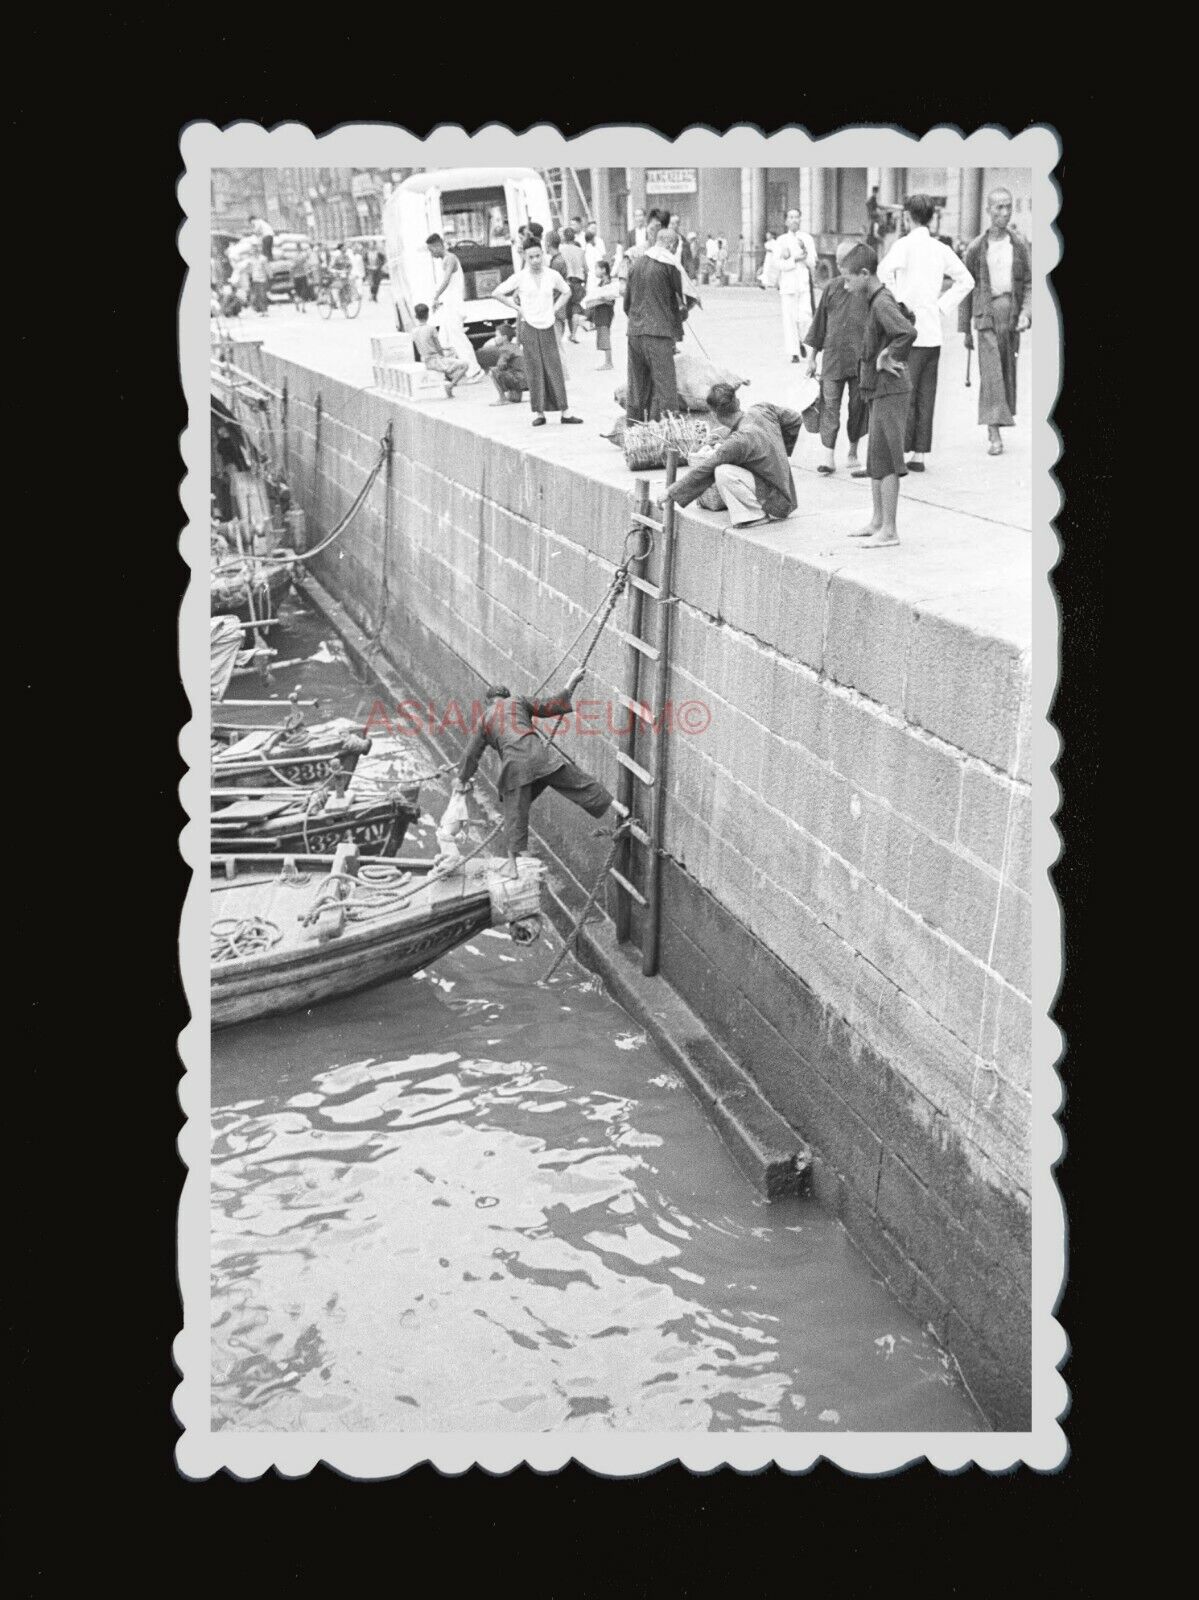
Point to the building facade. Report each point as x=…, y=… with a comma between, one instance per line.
x=740, y=204
x=326, y=203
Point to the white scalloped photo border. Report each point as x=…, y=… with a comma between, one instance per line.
x=201, y=1452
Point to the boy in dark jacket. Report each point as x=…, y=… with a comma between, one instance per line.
x=883, y=381
x=839, y=330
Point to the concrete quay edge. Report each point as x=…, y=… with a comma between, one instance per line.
x=764, y=1146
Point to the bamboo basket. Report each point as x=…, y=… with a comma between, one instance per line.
x=646, y=443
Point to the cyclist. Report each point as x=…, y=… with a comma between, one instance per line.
x=340, y=266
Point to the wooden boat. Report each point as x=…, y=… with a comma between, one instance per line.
x=292, y=824
x=290, y=755
x=320, y=927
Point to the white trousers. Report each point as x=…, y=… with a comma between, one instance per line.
x=452, y=331
x=797, y=319
x=739, y=493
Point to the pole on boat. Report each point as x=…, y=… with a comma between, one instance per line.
x=316, y=459
x=283, y=409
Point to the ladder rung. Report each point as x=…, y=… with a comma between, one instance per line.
x=646, y=522
x=645, y=586
x=637, y=709
x=639, y=644
x=638, y=772
x=627, y=886
x=635, y=828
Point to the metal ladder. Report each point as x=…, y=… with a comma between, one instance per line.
x=646, y=778
x=556, y=185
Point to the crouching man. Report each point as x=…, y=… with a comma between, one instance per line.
x=528, y=763
x=750, y=467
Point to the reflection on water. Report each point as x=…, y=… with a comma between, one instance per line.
x=465, y=1203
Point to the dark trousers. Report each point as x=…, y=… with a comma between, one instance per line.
x=543, y=366
x=923, y=365
x=997, y=350
x=578, y=786
x=652, y=389
x=376, y=280
x=857, y=424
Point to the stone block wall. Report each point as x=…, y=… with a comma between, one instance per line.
x=846, y=890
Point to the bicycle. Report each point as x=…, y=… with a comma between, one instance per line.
x=343, y=293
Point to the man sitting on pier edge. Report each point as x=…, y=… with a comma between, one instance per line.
x=751, y=467
x=528, y=763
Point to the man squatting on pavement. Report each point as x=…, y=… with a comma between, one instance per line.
x=528, y=763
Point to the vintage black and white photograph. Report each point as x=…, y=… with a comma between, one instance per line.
x=624, y=829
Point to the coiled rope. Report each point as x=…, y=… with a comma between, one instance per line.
x=235, y=937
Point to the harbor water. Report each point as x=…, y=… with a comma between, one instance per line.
x=469, y=1202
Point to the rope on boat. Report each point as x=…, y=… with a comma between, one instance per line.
x=356, y=506
x=380, y=895
x=235, y=937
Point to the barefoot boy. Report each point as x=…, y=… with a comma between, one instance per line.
x=433, y=353
x=883, y=381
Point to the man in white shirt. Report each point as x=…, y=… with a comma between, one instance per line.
x=265, y=235
x=449, y=299
x=795, y=257
x=914, y=269
x=594, y=248
x=537, y=293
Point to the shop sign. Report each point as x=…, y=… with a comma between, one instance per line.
x=671, y=180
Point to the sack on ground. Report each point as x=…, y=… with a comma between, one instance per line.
x=694, y=376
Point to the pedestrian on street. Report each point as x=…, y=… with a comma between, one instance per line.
x=433, y=353
x=635, y=238
x=883, y=381
x=837, y=334
x=655, y=306
x=600, y=306
x=449, y=297
x=529, y=763
x=265, y=235
x=594, y=248
x=751, y=465
x=301, y=276
x=259, y=282
x=537, y=293
x=575, y=260
x=795, y=255
x=378, y=262
x=1000, y=310
x=914, y=269
x=557, y=263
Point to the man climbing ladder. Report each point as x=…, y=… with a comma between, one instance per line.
x=529, y=763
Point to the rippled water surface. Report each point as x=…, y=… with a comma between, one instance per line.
x=464, y=1202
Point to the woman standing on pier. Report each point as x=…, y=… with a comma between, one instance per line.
x=537, y=293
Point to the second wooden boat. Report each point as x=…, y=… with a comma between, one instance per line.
x=290, y=755
x=313, y=824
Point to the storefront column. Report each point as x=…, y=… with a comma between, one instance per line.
x=635, y=183
x=973, y=218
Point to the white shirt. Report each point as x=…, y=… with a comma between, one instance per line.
x=711, y=249
x=914, y=269
x=594, y=250
x=263, y=229
x=536, y=294
x=999, y=264
x=796, y=256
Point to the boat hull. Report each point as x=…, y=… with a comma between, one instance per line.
x=379, y=830
x=359, y=959
x=316, y=762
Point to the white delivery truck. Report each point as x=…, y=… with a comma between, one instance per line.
x=477, y=211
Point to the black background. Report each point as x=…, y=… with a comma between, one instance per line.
x=93, y=1306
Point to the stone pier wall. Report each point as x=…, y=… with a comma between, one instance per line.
x=847, y=873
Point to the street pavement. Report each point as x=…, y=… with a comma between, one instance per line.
x=964, y=523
